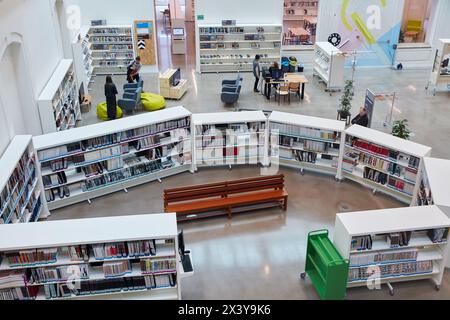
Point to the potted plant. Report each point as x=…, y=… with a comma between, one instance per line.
x=346, y=101
x=400, y=129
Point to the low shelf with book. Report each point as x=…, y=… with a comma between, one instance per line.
x=305, y=142
x=21, y=193
x=383, y=162
x=112, y=48
x=393, y=245
x=230, y=138
x=125, y=257
x=435, y=186
x=233, y=48
x=59, y=105
x=95, y=160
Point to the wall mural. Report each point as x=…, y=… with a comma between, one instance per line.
x=366, y=26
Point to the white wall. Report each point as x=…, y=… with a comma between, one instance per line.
x=116, y=11
x=243, y=11
x=31, y=24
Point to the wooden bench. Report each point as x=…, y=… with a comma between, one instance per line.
x=226, y=198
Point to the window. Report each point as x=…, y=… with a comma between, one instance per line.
x=300, y=22
x=416, y=21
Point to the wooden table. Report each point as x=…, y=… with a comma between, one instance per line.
x=288, y=78
x=299, y=31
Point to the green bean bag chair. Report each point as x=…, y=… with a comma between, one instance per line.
x=152, y=102
x=102, y=113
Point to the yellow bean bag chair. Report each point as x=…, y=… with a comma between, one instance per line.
x=102, y=113
x=152, y=102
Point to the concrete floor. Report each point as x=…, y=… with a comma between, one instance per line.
x=260, y=255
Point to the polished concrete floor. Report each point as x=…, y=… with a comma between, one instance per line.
x=260, y=255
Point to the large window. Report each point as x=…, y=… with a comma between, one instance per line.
x=300, y=22
x=416, y=21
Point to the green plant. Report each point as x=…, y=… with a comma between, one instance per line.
x=346, y=99
x=400, y=129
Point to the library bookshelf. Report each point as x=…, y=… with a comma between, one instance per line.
x=21, y=197
x=59, y=106
x=233, y=48
x=305, y=142
x=230, y=138
x=329, y=65
x=91, y=161
x=435, y=186
x=130, y=257
x=82, y=56
x=397, y=244
x=383, y=162
x=112, y=48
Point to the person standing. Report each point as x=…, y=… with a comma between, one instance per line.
x=133, y=70
x=362, y=118
x=111, y=102
x=256, y=72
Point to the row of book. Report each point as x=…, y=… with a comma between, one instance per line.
x=390, y=270
x=97, y=39
x=399, y=239
x=19, y=201
x=117, y=268
x=22, y=169
x=388, y=166
x=424, y=196
x=401, y=185
x=111, y=47
x=175, y=136
x=383, y=257
x=124, y=249
x=58, y=193
x=438, y=235
x=62, y=273
x=375, y=175
x=410, y=161
x=152, y=266
x=304, y=132
x=230, y=129
x=149, y=282
x=223, y=152
x=101, y=31
x=232, y=30
x=230, y=141
x=112, y=139
x=34, y=256
x=19, y=293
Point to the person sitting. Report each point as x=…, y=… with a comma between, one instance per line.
x=362, y=118
x=275, y=71
x=133, y=70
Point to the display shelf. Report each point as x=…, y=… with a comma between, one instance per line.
x=400, y=242
x=440, y=73
x=20, y=184
x=75, y=243
x=295, y=137
x=230, y=138
x=82, y=56
x=112, y=48
x=215, y=44
x=92, y=161
x=59, y=105
x=384, y=162
x=329, y=64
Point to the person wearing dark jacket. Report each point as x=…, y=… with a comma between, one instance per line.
x=362, y=118
x=111, y=102
x=256, y=71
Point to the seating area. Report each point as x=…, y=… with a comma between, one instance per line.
x=226, y=198
x=231, y=90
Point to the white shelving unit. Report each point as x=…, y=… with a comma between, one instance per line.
x=233, y=48
x=83, y=58
x=21, y=193
x=420, y=259
x=441, y=72
x=329, y=65
x=295, y=9
x=305, y=142
x=395, y=164
x=59, y=105
x=156, y=230
x=91, y=161
x=230, y=138
x=435, y=186
x=112, y=48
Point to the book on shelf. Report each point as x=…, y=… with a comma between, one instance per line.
x=30, y=257
x=116, y=268
x=361, y=243
x=438, y=235
x=58, y=274
x=305, y=132
x=372, y=258
x=158, y=265
x=399, y=239
x=391, y=270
